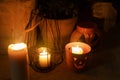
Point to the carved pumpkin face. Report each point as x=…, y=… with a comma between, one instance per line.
x=79, y=61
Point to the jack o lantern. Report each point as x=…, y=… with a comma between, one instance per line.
x=77, y=61
x=86, y=32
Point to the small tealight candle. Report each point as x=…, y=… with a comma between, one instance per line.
x=18, y=61
x=77, y=55
x=44, y=58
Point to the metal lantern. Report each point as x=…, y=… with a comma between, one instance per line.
x=50, y=33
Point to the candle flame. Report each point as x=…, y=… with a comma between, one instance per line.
x=44, y=52
x=77, y=50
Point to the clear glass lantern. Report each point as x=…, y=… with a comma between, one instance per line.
x=50, y=33
x=42, y=59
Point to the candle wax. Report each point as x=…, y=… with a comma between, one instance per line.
x=44, y=59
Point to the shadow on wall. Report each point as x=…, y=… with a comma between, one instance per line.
x=108, y=51
x=14, y=15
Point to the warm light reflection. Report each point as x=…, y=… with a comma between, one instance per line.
x=18, y=46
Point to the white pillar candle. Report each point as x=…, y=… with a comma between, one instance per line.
x=44, y=58
x=18, y=61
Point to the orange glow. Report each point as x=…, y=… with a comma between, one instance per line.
x=77, y=50
x=18, y=46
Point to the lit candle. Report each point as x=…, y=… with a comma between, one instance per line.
x=18, y=61
x=44, y=58
x=77, y=50
x=77, y=55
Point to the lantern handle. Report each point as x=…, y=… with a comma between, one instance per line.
x=30, y=29
x=34, y=21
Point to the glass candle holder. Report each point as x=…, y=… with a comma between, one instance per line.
x=77, y=54
x=42, y=59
